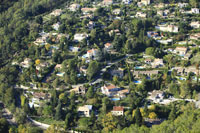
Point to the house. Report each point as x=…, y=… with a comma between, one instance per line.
x=56, y=26
x=182, y=5
x=157, y=95
x=26, y=63
x=195, y=10
x=74, y=7
x=80, y=36
x=185, y=71
x=167, y=28
x=152, y=34
x=41, y=95
x=58, y=66
x=148, y=61
x=117, y=32
x=42, y=65
x=110, y=90
x=91, y=25
x=147, y=73
x=92, y=53
x=144, y=3
x=85, y=110
x=87, y=10
x=108, y=46
x=56, y=12
x=74, y=49
x=140, y=15
x=79, y=90
x=157, y=63
x=119, y=72
x=195, y=24
x=118, y=111
x=126, y=1
x=160, y=13
x=181, y=50
x=83, y=69
x=116, y=11
x=107, y=2
x=195, y=36
x=160, y=5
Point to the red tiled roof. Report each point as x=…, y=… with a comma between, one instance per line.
x=118, y=108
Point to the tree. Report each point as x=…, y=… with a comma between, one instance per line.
x=150, y=51
x=172, y=114
x=90, y=93
x=138, y=117
x=93, y=68
x=152, y=115
x=115, y=80
x=58, y=115
x=109, y=123
x=83, y=123
x=194, y=3
x=37, y=62
x=4, y=125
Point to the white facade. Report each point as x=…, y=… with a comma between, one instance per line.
x=80, y=36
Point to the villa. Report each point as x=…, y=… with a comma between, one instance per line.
x=118, y=111
x=85, y=110
x=80, y=36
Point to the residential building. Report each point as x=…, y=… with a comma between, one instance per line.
x=167, y=28
x=195, y=10
x=41, y=95
x=118, y=72
x=182, y=5
x=195, y=36
x=137, y=74
x=108, y=46
x=92, y=53
x=157, y=63
x=42, y=65
x=195, y=24
x=85, y=110
x=116, y=11
x=107, y=2
x=26, y=63
x=56, y=26
x=126, y=1
x=74, y=49
x=140, y=15
x=88, y=10
x=148, y=61
x=79, y=90
x=157, y=95
x=144, y=2
x=110, y=90
x=74, y=7
x=118, y=111
x=56, y=12
x=181, y=50
x=80, y=36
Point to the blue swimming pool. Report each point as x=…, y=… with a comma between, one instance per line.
x=139, y=67
x=115, y=99
x=182, y=78
x=137, y=81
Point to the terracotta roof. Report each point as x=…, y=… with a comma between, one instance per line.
x=118, y=108
x=108, y=44
x=111, y=86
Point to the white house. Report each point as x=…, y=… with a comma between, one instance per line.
x=181, y=5
x=116, y=11
x=144, y=2
x=74, y=7
x=195, y=10
x=126, y=1
x=195, y=24
x=118, y=111
x=56, y=26
x=92, y=53
x=80, y=36
x=157, y=63
x=74, y=49
x=85, y=110
x=167, y=28
x=141, y=15
x=110, y=90
x=26, y=63
x=56, y=12
x=107, y=2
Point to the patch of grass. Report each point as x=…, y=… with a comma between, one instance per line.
x=49, y=121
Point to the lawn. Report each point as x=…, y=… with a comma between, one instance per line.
x=49, y=121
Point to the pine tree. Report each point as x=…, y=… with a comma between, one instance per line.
x=138, y=117
x=58, y=115
x=172, y=115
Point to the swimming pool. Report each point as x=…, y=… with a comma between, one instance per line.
x=115, y=99
x=137, y=81
x=182, y=78
x=139, y=67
